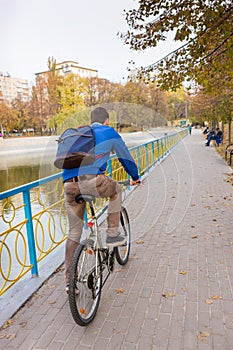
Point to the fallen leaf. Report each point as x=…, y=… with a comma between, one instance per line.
x=50, y=286
x=203, y=335
x=192, y=226
x=52, y=302
x=183, y=272
x=209, y=301
x=167, y=295
x=216, y=297
x=120, y=290
x=140, y=241
x=8, y=336
x=195, y=236
x=62, y=268
x=7, y=324
x=23, y=324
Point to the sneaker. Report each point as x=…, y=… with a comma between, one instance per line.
x=115, y=241
x=68, y=288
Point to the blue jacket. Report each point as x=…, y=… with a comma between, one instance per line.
x=107, y=140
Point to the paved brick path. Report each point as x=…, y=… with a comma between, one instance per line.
x=177, y=286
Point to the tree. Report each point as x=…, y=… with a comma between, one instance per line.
x=53, y=81
x=101, y=91
x=72, y=91
x=39, y=103
x=20, y=110
x=214, y=107
x=8, y=117
x=203, y=27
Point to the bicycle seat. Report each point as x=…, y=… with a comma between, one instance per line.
x=81, y=198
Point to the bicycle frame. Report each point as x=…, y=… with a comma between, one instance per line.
x=90, y=260
x=105, y=253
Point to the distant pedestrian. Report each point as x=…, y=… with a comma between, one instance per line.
x=206, y=130
x=210, y=136
x=218, y=136
x=190, y=129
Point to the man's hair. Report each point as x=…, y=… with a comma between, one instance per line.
x=99, y=115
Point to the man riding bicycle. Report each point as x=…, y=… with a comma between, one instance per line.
x=91, y=179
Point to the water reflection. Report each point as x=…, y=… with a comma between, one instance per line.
x=25, y=160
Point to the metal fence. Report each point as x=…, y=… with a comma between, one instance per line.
x=33, y=217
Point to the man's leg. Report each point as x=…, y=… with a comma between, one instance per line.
x=110, y=188
x=104, y=187
x=114, y=208
x=69, y=253
x=75, y=214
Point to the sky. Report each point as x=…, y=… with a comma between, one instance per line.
x=84, y=31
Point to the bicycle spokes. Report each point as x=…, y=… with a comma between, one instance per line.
x=88, y=282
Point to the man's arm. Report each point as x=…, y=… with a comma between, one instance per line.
x=126, y=159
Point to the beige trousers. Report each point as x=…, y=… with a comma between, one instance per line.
x=100, y=186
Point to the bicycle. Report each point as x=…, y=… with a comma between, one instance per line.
x=89, y=262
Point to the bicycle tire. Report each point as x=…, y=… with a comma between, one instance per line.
x=87, y=278
x=122, y=252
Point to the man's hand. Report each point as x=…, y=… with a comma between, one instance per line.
x=135, y=182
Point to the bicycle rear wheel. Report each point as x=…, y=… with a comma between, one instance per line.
x=122, y=252
x=85, y=283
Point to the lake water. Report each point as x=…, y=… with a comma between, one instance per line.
x=23, y=160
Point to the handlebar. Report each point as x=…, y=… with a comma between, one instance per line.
x=127, y=183
x=124, y=183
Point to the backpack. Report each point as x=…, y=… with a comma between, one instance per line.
x=75, y=148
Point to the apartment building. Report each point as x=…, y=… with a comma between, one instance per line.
x=13, y=88
x=68, y=67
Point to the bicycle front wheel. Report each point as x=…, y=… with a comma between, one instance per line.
x=85, y=283
x=122, y=252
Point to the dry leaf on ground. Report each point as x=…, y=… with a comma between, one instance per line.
x=8, y=336
x=7, y=324
x=169, y=294
x=140, y=241
x=120, y=290
x=216, y=297
x=50, y=286
x=203, y=335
